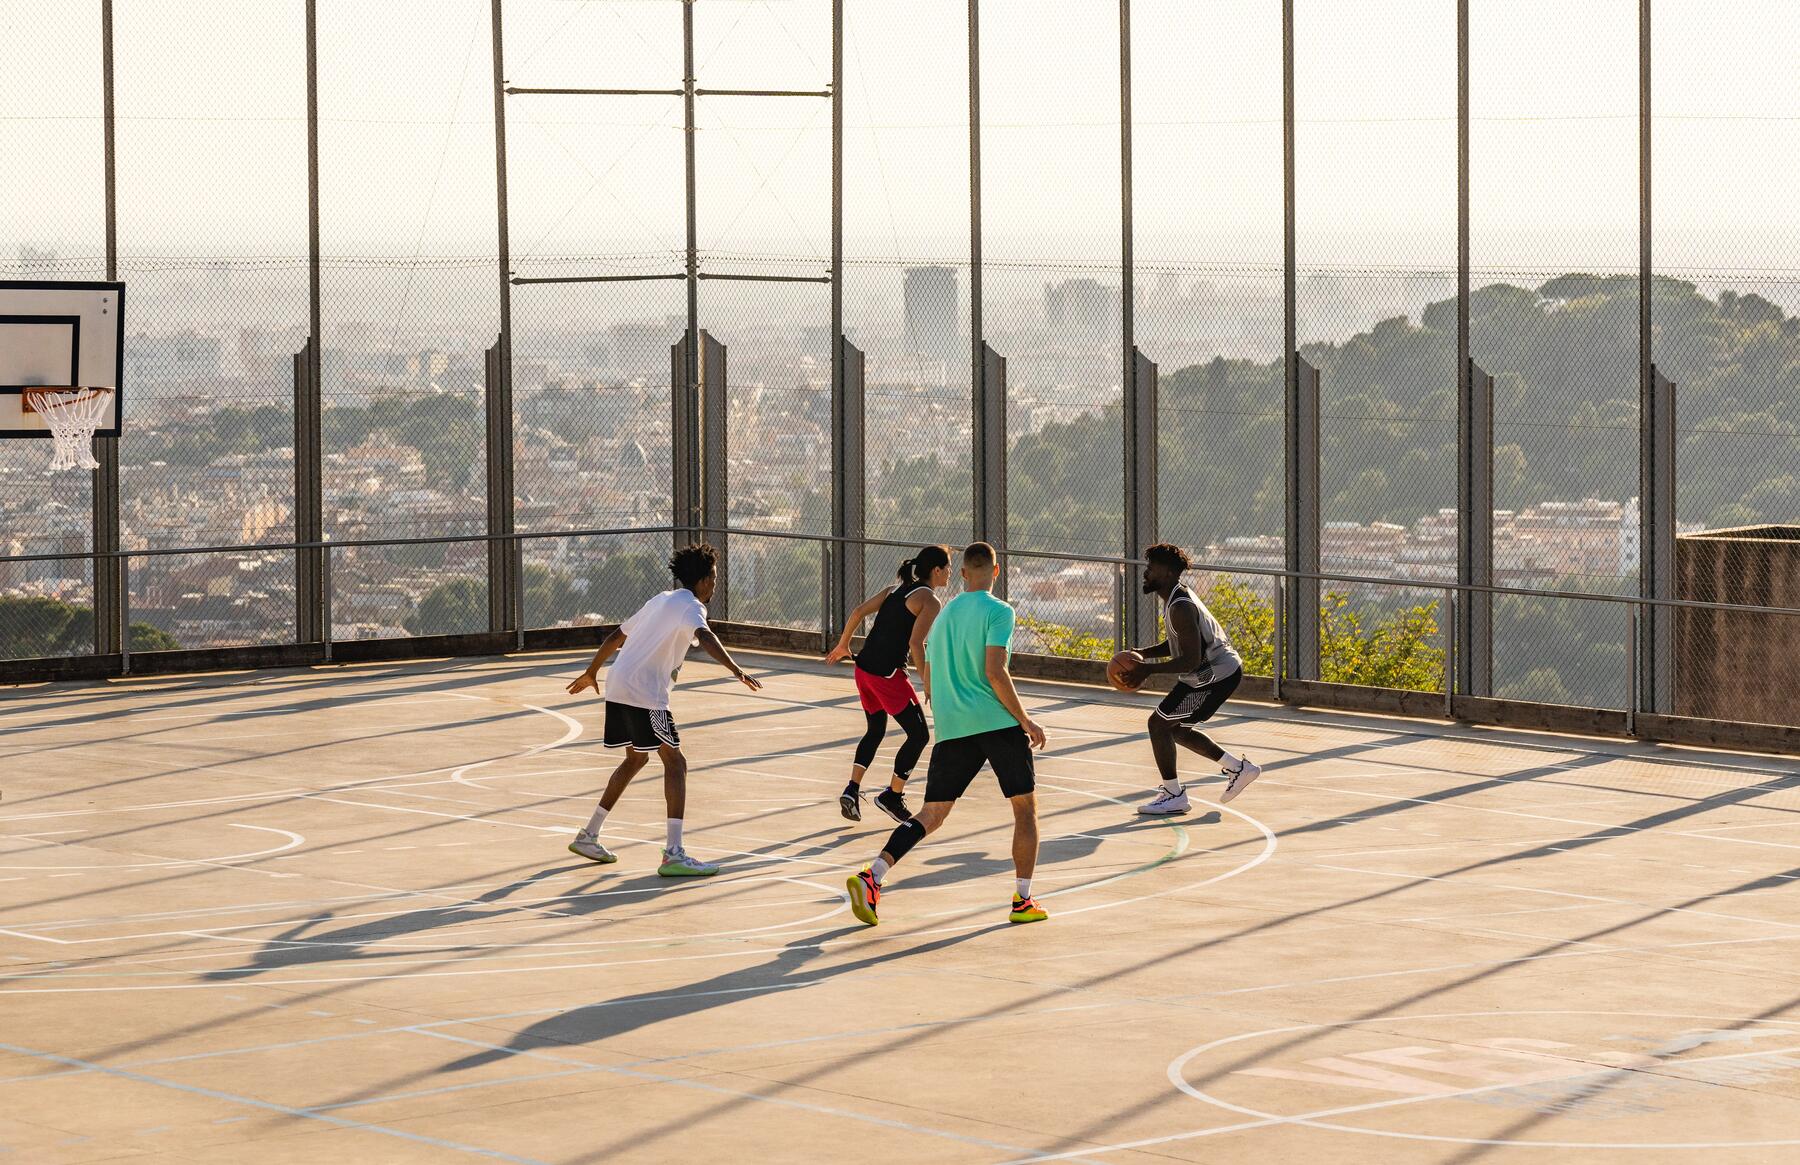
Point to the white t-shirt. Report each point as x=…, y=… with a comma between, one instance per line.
x=657, y=639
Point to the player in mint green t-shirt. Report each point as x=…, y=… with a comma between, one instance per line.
x=979, y=720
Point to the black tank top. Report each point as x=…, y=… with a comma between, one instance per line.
x=884, y=651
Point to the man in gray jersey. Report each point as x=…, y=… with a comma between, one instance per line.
x=1209, y=669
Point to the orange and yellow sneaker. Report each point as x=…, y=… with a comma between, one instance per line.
x=1026, y=910
x=864, y=892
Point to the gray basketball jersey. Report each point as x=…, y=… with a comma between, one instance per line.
x=1218, y=658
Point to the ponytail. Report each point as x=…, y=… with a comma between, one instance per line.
x=918, y=568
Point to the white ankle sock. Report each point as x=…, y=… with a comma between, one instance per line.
x=1172, y=786
x=674, y=833
x=878, y=870
x=1024, y=890
x=596, y=821
x=1229, y=763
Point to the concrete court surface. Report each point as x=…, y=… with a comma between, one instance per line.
x=327, y=916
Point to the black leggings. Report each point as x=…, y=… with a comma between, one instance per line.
x=911, y=718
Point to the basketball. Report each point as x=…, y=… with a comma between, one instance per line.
x=1117, y=662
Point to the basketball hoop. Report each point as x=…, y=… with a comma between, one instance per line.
x=73, y=415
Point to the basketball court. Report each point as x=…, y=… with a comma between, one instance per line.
x=327, y=914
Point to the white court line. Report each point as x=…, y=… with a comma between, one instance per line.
x=294, y=839
x=267, y=1106
x=1178, y=1078
x=752, y=770
x=738, y=1094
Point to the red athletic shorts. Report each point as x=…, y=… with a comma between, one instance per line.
x=891, y=694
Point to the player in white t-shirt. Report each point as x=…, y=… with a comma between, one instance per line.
x=651, y=646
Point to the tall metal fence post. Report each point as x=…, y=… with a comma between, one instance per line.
x=988, y=480
x=308, y=449
x=1656, y=542
x=124, y=571
x=1450, y=653
x=1656, y=431
x=686, y=419
x=684, y=452
x=715, y=462
x=1278, y=646
x=1138, y=375
x=325, y=578
x=1301, y=532
x=1301, y=538
x=309, y=588
x=1633, y=676
x=519, y=614
x=503, y=577
x=109, y=628
x=990, y=456
x=1473, y=628
x=848, y=482
x=846, y=390
x=827, y=580
x=1141, y=468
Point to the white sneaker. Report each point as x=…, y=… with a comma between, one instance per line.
x=1165, y=804
x=588, y=846
x=1240, y=780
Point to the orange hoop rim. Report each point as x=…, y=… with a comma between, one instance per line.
x=33, y=395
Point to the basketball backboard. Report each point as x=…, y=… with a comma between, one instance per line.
x=62, y=333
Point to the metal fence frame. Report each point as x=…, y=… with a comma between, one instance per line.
x=1469, y=635
x=835, y=548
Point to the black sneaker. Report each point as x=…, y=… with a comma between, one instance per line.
x=893, y=804
x=850, y=802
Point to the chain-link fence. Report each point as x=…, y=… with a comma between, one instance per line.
x=212, y=215
x=50, y=113
x=211, y=212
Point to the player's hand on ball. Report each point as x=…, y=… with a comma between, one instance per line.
x=583, y=682
x=1133, y=672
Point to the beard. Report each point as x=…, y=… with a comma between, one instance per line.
x=1149, y=587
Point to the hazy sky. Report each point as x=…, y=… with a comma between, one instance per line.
x=211, y=109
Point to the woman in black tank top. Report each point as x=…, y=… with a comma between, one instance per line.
x=903, y=615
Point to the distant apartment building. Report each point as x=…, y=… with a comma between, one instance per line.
x=172, y=358
x=1085, y=308
x=933, y=328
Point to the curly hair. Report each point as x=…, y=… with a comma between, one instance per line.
x=1170, y=555
x=693, y=563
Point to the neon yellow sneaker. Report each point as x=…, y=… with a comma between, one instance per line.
x=1026, y=910
x=678, y=863
x=864, y=893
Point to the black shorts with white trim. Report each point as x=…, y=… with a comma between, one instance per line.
x=639, y=729
x=1188, y=704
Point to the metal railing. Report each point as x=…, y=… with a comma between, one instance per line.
x=1283, y=605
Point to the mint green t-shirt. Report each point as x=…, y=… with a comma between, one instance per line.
x=962, y=701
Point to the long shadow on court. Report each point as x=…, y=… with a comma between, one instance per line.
x=1456, y=982
x=305, y=944
x=789, y=970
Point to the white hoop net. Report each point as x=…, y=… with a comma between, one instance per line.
x=74, y=417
